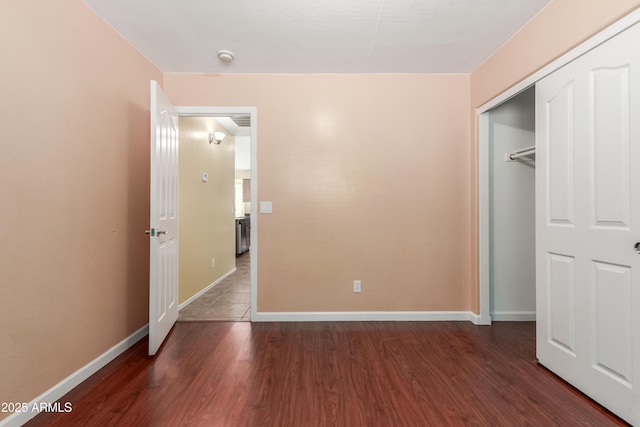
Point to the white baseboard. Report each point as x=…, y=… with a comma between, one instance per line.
x=202, y=292
x=514, y=316
x=66, y=385
x=364, y=316
x=479, y=320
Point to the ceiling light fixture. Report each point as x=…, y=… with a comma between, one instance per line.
x=216, y=137
x=225, y=56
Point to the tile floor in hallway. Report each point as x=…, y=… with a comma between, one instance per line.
x=228, y=300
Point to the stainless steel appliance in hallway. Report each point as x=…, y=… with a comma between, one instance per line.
x=243, y=231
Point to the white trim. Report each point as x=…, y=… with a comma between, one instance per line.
x=253, y=238
x=476, y=319
x=514, y=316
x=203, y=291
x=66, y=385
x=199, y=73
x=480, y=320
x=364, y=316
x=483, y=218
x=195, y=111
x=482, y=116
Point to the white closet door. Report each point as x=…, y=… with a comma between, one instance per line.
x=588, y=221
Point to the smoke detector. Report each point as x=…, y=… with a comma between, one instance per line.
x=225, y=56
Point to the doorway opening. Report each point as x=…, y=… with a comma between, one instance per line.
x=218, y=233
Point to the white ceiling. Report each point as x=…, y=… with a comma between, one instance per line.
x=318, y=36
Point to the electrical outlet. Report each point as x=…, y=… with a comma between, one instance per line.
x=213, y=262
x=357, y=286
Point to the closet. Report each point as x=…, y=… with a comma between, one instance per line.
x=581, y=248
x=512, y=209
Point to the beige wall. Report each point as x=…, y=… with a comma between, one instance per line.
x=74, y=170
x=369, y=179
x=207, y=226
x=558, y=28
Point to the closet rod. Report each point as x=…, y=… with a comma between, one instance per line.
x=522, y=153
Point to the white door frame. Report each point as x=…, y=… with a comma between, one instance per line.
x=194, y=111
x=482, y=118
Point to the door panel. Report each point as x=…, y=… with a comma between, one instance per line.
x=163, y=264
x=612, y=332
x=587, y=221
x=609, y=89
x=559, y=111
x=561, y=292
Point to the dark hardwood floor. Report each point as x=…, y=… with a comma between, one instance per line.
x=331, y=374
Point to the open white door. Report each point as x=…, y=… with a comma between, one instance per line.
x=163, y=263
x=588, y=223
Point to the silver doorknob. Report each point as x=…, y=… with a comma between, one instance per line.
x=637, y=247
x=151, y=232
x=159, y=232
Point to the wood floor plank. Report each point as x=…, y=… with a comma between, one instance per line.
x=332, y=374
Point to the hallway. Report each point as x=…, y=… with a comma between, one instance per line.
x=228, y=300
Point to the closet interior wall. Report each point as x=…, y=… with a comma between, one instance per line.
x=512, y=209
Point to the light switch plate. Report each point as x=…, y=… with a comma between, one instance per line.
x=357, y=286
x=205, y=177
x=266, y=207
